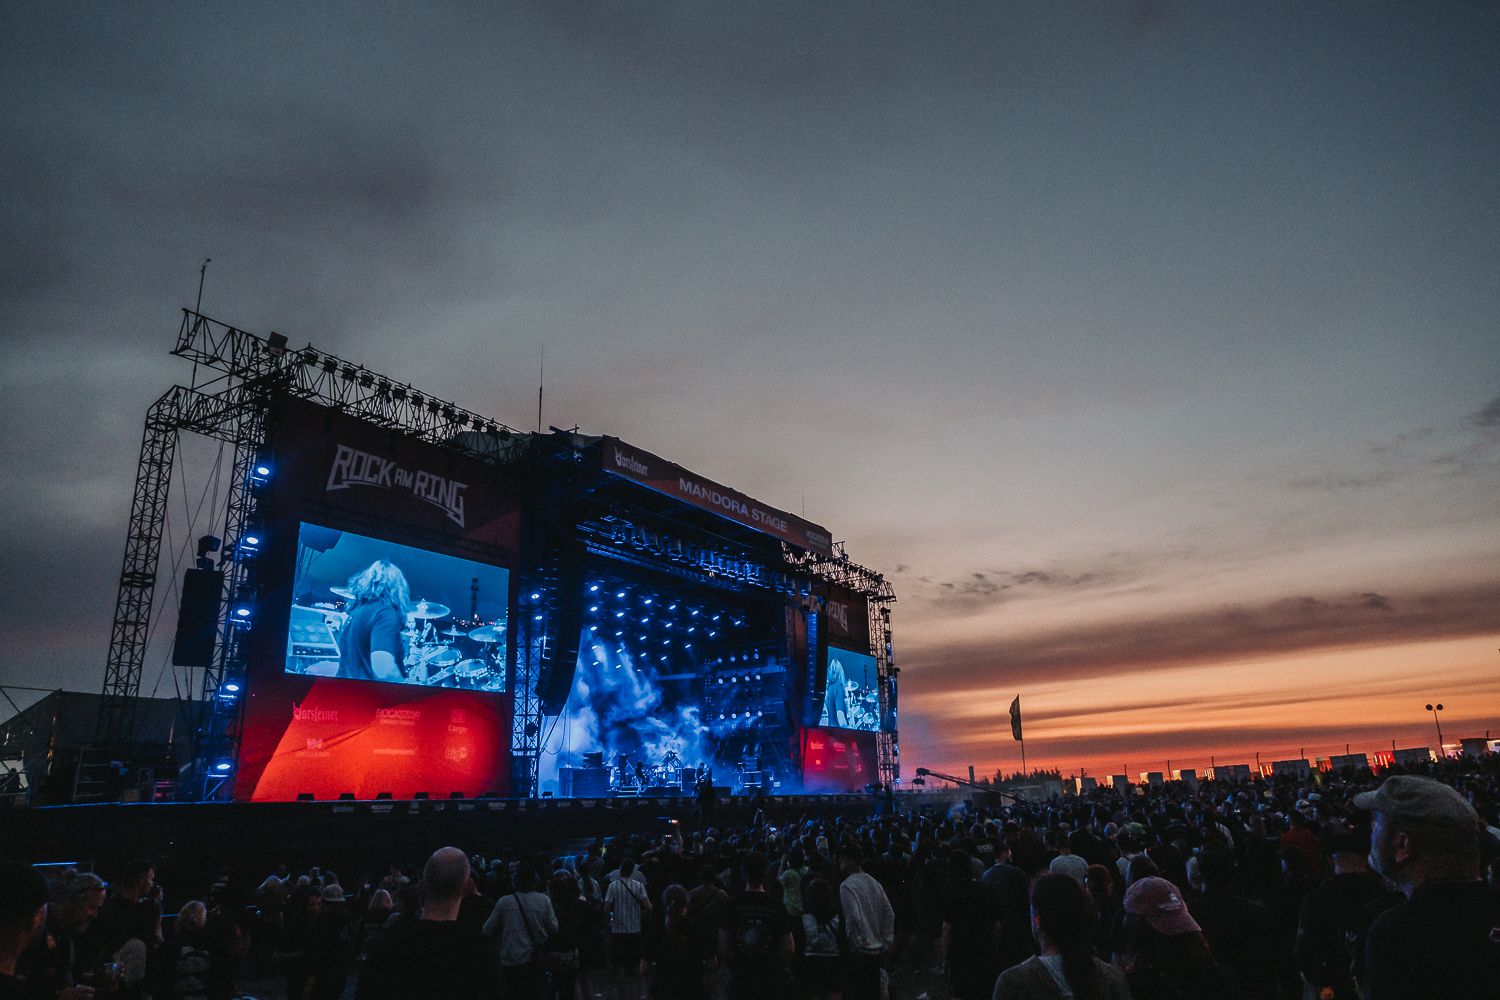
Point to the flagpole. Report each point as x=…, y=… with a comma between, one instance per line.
x=1024, y=773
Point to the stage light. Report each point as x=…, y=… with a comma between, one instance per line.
x=619, y=614
x=242, y=612
x=716, y=617
x=231, y=687
x=691, y=630
x=721, y=680
x=594, y=607
x=694, y=612
x=617, y=635
x=757, y=676
x=712, y=632
x=536, y=597
x=687, y=645
x=223, y=765
x=620, y=594
x=734, y=715
x=251, y=541
x=671, y=607
x=262, y=469
x=731, y=657
x=594, y=589
x=593, y=628
x=538, y=617
x=648, y=600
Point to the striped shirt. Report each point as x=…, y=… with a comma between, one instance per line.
x=625, y=897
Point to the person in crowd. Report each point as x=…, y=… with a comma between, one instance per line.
x=1444, y=940
x=330, y=945
x=295, y=956
x=23, y=911
x=822, y=944
x=1101, y=889
x=870, y=923
x=432, y=955
x=1010, y=887
x=127, y=928
x=1065, y=923
x=522, y=922
x=679, y=962
x=574, y=921
x=627, y=902
x=971, y=932
x=476, y=907
x=1330, y=910
x=50, y=964
x=1238, y=930
x=182, y=968
x=1166, y=955
x=792, y=871
x=372, y=925
x=755, y=936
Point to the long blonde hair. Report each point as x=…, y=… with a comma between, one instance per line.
x=382, y=581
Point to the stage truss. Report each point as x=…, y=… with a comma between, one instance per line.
x=246, y=373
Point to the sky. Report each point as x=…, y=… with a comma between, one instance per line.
x=1151, y=349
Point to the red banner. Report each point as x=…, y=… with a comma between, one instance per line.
x=838, y=760
x=365, y=738
x=675, y=481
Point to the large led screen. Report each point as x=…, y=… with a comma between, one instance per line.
x=852, y=700
x=367, y=609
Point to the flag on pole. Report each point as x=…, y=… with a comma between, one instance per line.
x=1015, y=718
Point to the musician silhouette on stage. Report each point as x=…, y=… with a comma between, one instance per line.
x=836, y=701
x=370, y=644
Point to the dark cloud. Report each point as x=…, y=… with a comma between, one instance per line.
x=1289, y=625
x=1489, y=416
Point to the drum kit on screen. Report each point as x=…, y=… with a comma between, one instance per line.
x=434, y=656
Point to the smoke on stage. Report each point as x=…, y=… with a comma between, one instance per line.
x=617, y=707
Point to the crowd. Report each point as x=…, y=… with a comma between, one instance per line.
x=1340, y=886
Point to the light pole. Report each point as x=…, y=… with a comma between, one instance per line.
x=1435, y=710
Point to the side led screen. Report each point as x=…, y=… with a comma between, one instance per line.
x=852, y=700
x=367, y=609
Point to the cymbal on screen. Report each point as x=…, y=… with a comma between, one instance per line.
x=488, y=633
x=426, y=609
x=455, y=632
x=343, y=592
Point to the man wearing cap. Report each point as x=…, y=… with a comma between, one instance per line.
x=1444, y=941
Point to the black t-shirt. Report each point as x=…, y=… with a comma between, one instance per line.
x=971, y=912
x=757, y=923
x=1442, y=942
x=428, y=958
x=374, y=627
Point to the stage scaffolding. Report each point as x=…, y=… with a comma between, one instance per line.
x=237, y=376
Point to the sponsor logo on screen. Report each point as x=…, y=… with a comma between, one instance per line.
x=312, y=713
x=839, y=613
x=398, y=716
x=352, y=467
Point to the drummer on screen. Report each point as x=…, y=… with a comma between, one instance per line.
x=370, y=643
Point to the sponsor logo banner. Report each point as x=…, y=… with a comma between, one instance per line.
x=838, y=760
x=675, y=481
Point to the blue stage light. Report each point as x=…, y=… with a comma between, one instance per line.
x=716, y=617
x=536, y=597
x=666, y=642
x=242, y=612
x=691, y=630
x=223, y=765
x=251, y=541
x=594, y=589
x=671, y=607
x=617, y=635
x=619, y=614
x=711, y=632
x=262, y=469
x=231, y=687
x=695, y=612
x=648, y=600
x=538, y=617
x=593, y=628
x=594, y=607
x=731, y=657
x=620, y=594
